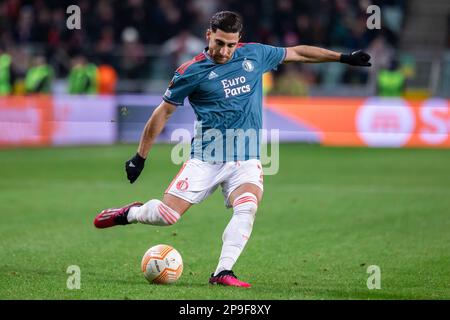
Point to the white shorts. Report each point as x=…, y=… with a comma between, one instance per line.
x=197, y=179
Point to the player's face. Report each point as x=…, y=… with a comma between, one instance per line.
x=221, y=45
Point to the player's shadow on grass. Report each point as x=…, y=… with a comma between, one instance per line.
x=98, y=277
x=29, y=272
x=314, y=293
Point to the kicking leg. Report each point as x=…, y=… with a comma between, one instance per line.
x=159, y=213
x=153, y=212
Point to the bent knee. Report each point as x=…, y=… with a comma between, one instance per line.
x=175, y=203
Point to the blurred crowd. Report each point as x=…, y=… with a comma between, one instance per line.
x=137, y=39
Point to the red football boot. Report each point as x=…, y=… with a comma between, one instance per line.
x=114, y=216
x=227, y=278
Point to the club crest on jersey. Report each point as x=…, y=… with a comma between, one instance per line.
x=248, y=65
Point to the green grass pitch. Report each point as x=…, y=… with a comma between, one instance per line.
x=328, y=215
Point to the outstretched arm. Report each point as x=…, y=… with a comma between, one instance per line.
x=310, y=54
x=151, y=131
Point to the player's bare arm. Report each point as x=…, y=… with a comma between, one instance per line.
x=152, y=129
x=154, y=126
x=310, y=54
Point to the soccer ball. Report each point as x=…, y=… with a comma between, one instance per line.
x=162, y=264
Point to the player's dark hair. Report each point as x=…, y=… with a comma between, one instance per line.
x=227, y=21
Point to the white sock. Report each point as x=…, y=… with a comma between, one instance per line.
x=153, y=212
x=238, y=230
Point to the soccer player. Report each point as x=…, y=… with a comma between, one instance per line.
x=224, y=87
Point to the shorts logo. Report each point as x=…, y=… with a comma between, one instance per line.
x=248, y=66
x=182, y=185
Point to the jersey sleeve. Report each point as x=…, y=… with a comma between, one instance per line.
x=271, y=56
x=179, y=88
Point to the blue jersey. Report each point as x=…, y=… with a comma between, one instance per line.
x=227, y=101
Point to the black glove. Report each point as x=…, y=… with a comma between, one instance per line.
x=134, y=167
x=357, y=58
